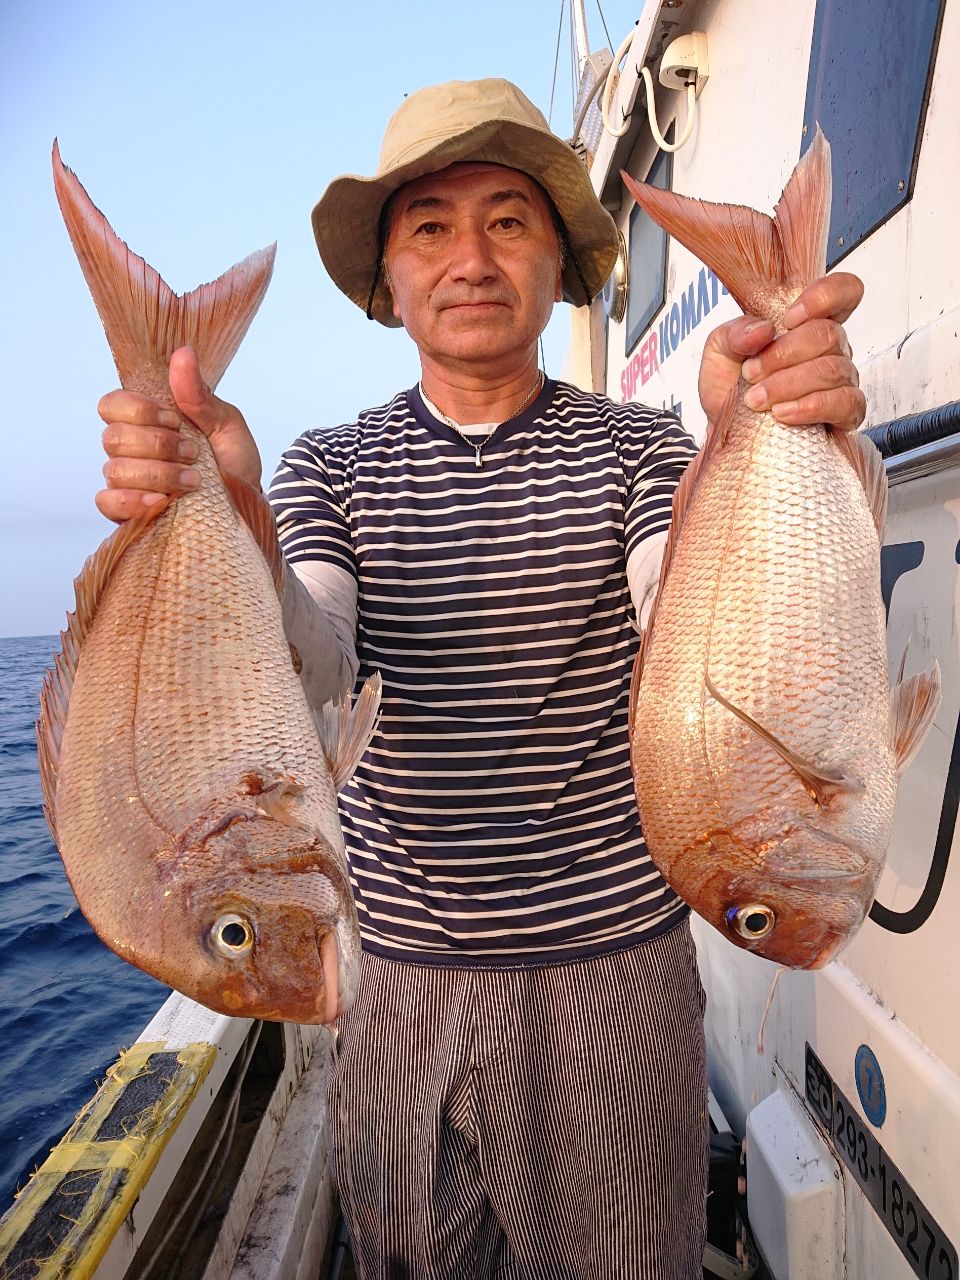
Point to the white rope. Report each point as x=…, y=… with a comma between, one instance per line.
x=606, y=102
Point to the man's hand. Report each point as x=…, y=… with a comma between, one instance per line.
x=803, y=377
x=148, y=458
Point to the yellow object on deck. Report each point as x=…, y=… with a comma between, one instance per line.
x=64, y=1220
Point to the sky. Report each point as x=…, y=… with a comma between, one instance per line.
x=205, y=130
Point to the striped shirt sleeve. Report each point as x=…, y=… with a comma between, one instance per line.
x=664, y=453
x=312, y=512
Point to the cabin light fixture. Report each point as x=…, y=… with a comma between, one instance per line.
x=684, y=66
x=615, y=290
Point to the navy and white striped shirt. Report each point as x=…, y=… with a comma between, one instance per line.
x=492, y=821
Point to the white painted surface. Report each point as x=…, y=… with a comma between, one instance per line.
x=286, y=1235
x=794, y=1192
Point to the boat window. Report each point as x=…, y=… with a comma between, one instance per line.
x=871, y=63
x=648, y=259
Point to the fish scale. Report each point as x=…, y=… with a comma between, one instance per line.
x=765, y=743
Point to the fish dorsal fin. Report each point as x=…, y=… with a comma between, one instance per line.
x=759, y=259
x=913, y=704
x=144, y=319
x=254, y=510
x=822, y=784
x=867, y=460
x=345, y=731
x=715, y=439
x=55, y=691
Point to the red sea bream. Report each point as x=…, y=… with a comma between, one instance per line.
x=765, y=740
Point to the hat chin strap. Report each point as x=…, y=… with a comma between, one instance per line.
x=373, y=288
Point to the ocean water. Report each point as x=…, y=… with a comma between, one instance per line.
x=67, y=1004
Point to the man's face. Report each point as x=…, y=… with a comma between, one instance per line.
x=473, y=262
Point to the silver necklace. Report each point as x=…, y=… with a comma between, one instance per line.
x=472, y=441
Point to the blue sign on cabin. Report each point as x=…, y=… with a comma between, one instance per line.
x=871, y=64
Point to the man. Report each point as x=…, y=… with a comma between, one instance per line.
x=520, y=1088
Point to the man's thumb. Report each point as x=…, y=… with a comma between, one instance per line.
x=194, y=398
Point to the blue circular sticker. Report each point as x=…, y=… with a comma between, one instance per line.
x=870, y=1086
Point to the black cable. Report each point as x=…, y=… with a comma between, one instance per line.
x=915, y=429
x=605, y=31
x=556, y=64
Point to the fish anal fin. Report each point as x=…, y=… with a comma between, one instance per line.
x=821, y=783
x=715, y=439
x=764, y=262
x=254, y=510
x=144, y=319
x=913, y=705
x=345, y=731
x=867, y=460
x=89, y=586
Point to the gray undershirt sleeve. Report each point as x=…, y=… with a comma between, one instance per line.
x=320, y=621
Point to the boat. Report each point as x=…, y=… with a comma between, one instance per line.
x=846, y=1122
x=835, y=1151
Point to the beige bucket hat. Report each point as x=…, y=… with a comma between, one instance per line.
x=465, y=120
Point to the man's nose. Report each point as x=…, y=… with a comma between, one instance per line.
x=471, y=259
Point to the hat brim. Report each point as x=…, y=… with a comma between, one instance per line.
x=346, y=219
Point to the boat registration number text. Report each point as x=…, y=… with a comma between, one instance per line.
x=916, y=1233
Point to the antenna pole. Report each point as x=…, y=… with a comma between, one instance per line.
x=581, y=39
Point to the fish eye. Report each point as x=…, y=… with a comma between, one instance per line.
x=753, y=921
x=232, y=936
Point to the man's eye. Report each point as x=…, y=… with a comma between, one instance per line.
x=428, y=228
x=508, y=224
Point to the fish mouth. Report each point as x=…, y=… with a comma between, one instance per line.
x=338, y=958
x=330, y=961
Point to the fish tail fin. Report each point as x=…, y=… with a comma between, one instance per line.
x=145, y=321
x=764, y=262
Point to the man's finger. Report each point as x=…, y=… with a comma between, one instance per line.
x=149, y=475
x=122, y=504
x=825, y=373
x=843, y=407
x=740, y=338
x=833, y=297
x=127, y=406
x=125, y=440
x=814, y=340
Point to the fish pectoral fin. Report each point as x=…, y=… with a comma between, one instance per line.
x=913, y=705
x=272, y=798
x=820, y=782
x=345, y=731
x=259, y=795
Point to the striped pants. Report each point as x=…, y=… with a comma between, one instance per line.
x=530, y=1124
